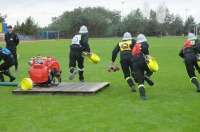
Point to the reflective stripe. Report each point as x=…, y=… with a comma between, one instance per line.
x=81, y=69
x=71, y=68
x=141, y=85
x=128, y=78
x=193, y=78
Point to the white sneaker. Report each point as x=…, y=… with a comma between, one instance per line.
x=75, y=72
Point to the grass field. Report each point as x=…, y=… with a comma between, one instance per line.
x=172, y=105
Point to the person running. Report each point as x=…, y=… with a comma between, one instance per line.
x=78, y=46
x=139, y=55
x=125, y=48
x=190, y=54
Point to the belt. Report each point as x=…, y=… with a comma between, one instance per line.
x=76, y=47
x=189, y=52
x=138, y=57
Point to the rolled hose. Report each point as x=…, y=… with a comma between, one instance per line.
x=9, y=84
x=94, y=59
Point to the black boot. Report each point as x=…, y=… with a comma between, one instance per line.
x=81, y=77
x=7, y=73
x=133, y=88
x=198, y=89
x=131, y=84
x=142, y=92
x=12, y=79
x=16, y=66
x=148, y=80
x=196, y=83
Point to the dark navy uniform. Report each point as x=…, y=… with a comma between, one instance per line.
x=189, y=52
x=79, y=44
x=6, y=55
x=12, y=41
x=125, y=48
x=140, y=50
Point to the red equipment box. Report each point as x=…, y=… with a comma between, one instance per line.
x=45, y=70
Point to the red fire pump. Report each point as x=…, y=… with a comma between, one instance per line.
x=45, y=71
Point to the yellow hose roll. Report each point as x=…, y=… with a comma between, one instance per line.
x=26, y=84
x=94, y=59
x=152, y=64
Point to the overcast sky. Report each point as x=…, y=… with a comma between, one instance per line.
x=43, y=10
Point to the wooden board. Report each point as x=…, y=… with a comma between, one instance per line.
x=67, y=88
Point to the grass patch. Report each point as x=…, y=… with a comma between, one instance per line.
x=173, y=104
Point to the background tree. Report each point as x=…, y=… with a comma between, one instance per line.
x=152, y=24
x=167, y=22
x=17, y=27
x=134, y=22
x=29, y=27
x=161, y=12
x=176, y=26
x=100, y=22
x=2, y=18
x=189, y=24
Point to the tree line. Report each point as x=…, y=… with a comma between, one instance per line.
x=102, y=22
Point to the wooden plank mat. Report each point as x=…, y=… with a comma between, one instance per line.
x=67, y=88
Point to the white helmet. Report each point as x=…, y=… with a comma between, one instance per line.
x=83, y=29
x=127, y=36
x=191, y=36
x=141, y=38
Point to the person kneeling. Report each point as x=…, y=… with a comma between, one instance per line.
x=6, y=55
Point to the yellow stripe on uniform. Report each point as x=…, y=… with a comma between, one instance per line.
x=71, y=68
x=128, y=78
x=140, y=86
x=81, y=69
x=193, y=78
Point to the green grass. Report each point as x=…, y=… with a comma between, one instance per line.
x=173, y=104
